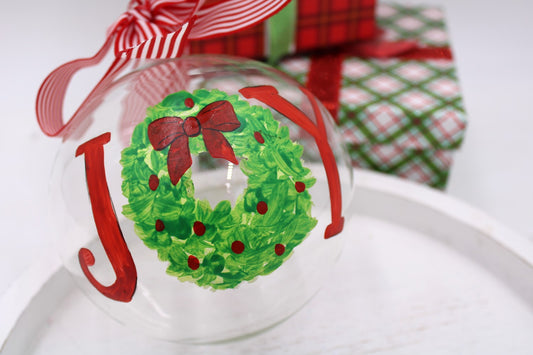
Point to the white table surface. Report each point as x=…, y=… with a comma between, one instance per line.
x=420, y=273
x=493, y=170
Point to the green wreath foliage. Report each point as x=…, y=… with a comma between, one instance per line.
x=238, y=243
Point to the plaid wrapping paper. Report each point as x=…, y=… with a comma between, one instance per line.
x=319, y=24
x=402, y=117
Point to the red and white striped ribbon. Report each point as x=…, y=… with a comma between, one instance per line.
x=233, y=15
x=151, y=29
x=150, y=19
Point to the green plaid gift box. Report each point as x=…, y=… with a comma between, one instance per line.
x=399, y=116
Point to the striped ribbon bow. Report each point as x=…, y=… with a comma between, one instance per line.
x=149, y=29
x=144, y=20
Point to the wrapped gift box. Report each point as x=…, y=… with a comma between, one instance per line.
x=401, y=113
x=302, y=25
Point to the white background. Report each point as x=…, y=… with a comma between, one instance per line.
x=493, y=47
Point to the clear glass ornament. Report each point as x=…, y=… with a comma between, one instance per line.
x=231, y=246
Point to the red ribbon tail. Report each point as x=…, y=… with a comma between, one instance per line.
x=179, y=159
x=218, y=146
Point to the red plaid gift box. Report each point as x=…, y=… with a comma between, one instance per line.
x=401, y=115
x=303, y=25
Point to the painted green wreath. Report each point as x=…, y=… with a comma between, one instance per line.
x=222, y=246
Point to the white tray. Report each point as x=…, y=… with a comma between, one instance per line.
x=421, y=274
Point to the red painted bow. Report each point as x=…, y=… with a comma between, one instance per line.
x=172, y=131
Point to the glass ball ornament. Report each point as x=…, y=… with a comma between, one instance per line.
x=201, y=199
